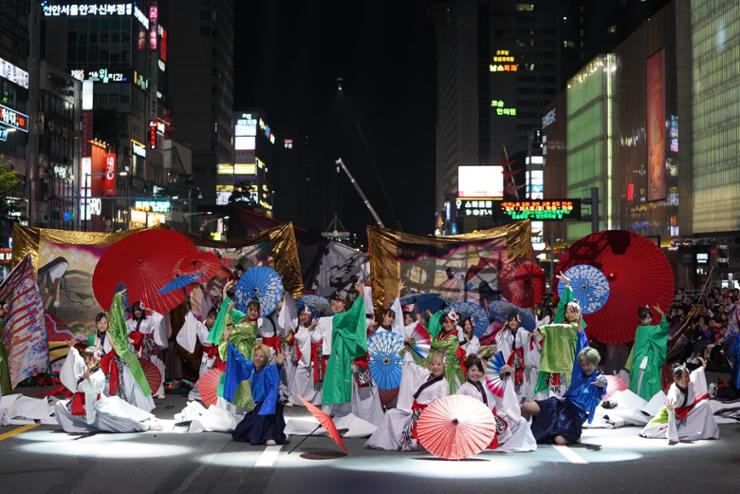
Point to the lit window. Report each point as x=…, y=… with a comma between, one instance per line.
x=569, y=44
x=525, y=7
x=612, y=29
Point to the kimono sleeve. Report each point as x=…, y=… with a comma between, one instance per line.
x=272, y=383
x=238, y=369
x=72, y=369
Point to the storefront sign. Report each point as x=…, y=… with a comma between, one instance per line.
x=14, y=119
x=153, y=206
x=85, y=9
x=543, y=209
x=14, y=74
x=109, y=182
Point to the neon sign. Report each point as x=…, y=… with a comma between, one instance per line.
x=500, y=110
x=14, y=119
x=100, y=75
x=503, y=61
x=81, y=10
x=14, y=74
x=542, y=210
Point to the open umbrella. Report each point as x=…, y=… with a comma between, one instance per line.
x=181, y=282
x=431, y=302
x=151, y=373
x=422, y=341
x=493, y=380
x=523, y=283
x=316, y=302
x=456, y=427
x=208, y=386
x=385, y=359
x=206, y=264
x=326, y=422
x=261, y=283
x=142, y=261
x=590, y=287
x=638, y=272
x=500, y=310
x=476, y=314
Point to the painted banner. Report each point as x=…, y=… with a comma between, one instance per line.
x=24, y=333
x=458, y=267
x=66, y=261
x=327, y=266
x=656, y=143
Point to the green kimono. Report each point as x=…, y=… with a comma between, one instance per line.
x=118, y=333
x=243, y=337
x=348, y=342
x=650, y=342
x=448, y=346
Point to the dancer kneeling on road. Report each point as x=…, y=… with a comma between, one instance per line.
x=560, y=420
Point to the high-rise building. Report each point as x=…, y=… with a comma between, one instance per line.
x=119, y=53
x=202, y=51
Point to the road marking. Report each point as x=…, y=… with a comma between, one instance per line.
x=17, y=431
x=268, y=456
x=569, y=454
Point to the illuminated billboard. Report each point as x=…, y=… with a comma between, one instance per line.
x=656, y=143
x=480, y=181
x=542, y=209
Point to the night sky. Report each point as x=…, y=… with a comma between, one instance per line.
x=288, y=55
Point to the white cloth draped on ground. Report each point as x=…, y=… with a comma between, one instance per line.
x=18, y=409
x=304, y=425
x=692, y=417
x=221, y=417
x=725, y=413
x=101, y=413
x=622, y=409
x=388, y=434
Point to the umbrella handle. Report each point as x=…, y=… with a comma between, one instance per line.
x=304, y=438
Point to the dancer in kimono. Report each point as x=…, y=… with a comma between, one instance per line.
x=686, y=415
x=100, y=340
x=647, y=357
x=348, y=386
x=419, y=387
x=513, y=342
x=194, y=331
x=512, y=430
x=5, y=387
x=561, y=342
x=89, y=410
x=308, y=374
x=149, y=337
x=443, y=331
x=468, y=341
x=264, y=424
x=560, y=420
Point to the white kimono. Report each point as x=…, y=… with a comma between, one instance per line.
x=506, y=343
x=303, y=383
x=389, y=432
x=192, y=331
x=472, y=347
x=102, y=413
x=698, y=423
x=153, y=325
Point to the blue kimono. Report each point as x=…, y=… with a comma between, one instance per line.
x=265, y=421
x=565, y=416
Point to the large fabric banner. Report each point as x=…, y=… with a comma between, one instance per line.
x=461, y=268
x=24, y=334
x=66, y=260
x=656, y=142
x=326, y=266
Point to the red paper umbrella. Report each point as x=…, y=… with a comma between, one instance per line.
x=208, y=386
x=522, y=283
x=614, y=384
x=143, y=262
x=151, y=373
x=456, y=427
x=206, y=264
x=326, y=422
x=639, y=274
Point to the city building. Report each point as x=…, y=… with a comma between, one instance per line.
x=202, y=52
x=119, y=51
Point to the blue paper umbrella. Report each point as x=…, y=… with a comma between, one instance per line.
x=261, y=283
x=500, y=310
x=590, y=287
x=385, y=359
x=493, y=379
x=316, y=302
x=476, y=314
x=424, y=301
x=181, y=282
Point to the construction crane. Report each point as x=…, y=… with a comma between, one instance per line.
x=340, y=165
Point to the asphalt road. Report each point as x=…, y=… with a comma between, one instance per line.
x=40, y=459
